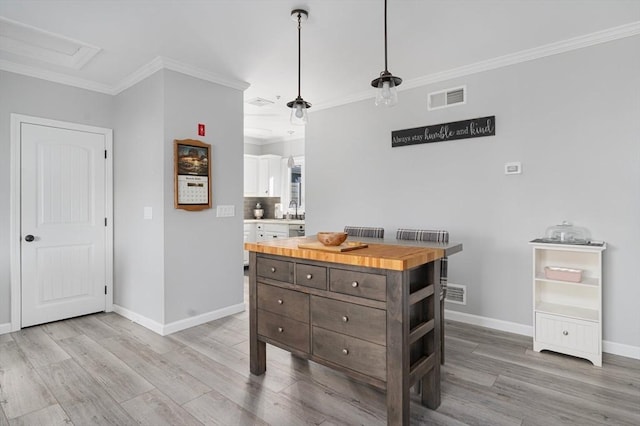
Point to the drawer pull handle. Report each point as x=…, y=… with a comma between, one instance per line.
x=280, y=330
x=354, y=284
x=345, y=351
x=273, y=269
x=565, y=333
x=280, y=301
x=345, y=318
x=309, y=276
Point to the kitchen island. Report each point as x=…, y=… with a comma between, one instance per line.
x=371, y=313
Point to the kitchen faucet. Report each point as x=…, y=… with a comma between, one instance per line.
x=295, y=204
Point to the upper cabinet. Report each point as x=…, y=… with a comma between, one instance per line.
x=262, y=176
x=251, y=176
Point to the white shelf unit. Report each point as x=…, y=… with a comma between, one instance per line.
x=567, y=316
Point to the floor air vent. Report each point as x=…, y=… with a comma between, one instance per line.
x=456, y=293
x=447, y=98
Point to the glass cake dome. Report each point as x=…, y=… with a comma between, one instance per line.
x=566, y=233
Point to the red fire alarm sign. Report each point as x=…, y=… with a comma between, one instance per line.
x=200, y=129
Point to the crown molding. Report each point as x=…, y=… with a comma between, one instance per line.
x=575, y=43
x=137, y=76
x=176, y=66
x=55, y=77
x=170, y=64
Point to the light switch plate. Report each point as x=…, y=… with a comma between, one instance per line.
x=514, y=168
x=226, y=211
x=148, y=213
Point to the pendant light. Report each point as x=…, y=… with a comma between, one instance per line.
x=299, y=106
x=291, y=163
x=387, y=83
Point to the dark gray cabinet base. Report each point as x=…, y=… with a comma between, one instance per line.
x=378, y=326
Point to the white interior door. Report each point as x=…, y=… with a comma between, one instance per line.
x=63, y=229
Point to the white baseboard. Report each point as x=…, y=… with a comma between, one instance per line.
x=201, y=319
x=152, y=325
x=527, y=330
x=496, y=324
x=176, y=326
x=621, y=349
x=5, y=328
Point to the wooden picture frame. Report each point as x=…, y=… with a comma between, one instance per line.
x=192, y=174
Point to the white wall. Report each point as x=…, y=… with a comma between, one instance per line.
x=571, y=119
x=203, y=253
x=138, y=183
x=39, y=98
x=293, y=147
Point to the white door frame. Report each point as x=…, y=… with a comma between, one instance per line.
x=15, y=214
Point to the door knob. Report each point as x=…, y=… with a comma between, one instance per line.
x=29, y=238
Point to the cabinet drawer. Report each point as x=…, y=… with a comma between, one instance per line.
x=288, y=303
x=355, y=354
x=354, y=320
x=583, y=336
x=311, y=276
x=284, y=330
x=275, y=269
x=362, y=284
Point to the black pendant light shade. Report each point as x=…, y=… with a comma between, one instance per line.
x=299, y=106
x=387, y=83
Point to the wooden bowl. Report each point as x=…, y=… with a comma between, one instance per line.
x=332, y=238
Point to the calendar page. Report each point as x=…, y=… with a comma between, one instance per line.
x=193, y=189
x=192, y=171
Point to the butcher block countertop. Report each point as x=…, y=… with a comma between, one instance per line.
x=397, y=255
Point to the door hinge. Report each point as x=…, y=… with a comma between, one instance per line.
x=105, y=153
x=105, y=221
x=105, y=289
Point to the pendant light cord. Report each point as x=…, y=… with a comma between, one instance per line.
x=299, y=50
x=385, y=37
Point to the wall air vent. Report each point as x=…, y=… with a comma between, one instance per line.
x=456, y=293
x=447, y=98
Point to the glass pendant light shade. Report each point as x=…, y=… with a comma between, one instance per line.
x=299, y=108
x=387, y=93
x=291, y=162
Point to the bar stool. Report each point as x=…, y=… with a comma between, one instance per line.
x=436, y=236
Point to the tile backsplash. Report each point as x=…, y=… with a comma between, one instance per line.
x=268, y=205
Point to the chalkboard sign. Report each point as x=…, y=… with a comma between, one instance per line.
x=474, y=128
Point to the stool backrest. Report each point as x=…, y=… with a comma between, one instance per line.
x=436, y=236
x=364, y=231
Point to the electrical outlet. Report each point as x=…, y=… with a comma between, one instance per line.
x=226, y=211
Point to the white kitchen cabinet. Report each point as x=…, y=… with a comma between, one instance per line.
x=260, y=232
x=249, y=237
x=274, y=230
x=567, y=316
x=251, y=175
x=269, y=176
x=262, y=176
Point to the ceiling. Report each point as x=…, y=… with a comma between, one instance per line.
x=255, y=42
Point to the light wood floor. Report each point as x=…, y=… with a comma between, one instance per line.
x=104, y=369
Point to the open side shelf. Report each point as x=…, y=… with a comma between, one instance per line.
x=568, y=311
